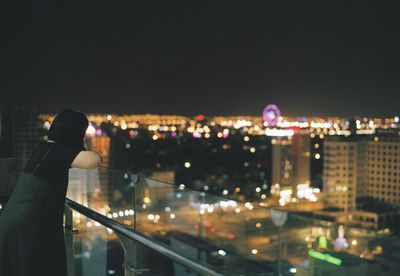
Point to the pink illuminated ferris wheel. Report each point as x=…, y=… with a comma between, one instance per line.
x=271, y=114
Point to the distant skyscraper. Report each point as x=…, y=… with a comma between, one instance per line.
x=291, y=161
x=383, y=176
x=282, y=162
x=301, y=149
x=361, y=166
x=101, y=145
x=340, y=173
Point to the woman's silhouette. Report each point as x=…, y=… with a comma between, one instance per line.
x=31, y=224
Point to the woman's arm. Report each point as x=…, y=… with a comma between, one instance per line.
x=86, y=160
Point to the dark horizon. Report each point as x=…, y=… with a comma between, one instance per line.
x=227, y=58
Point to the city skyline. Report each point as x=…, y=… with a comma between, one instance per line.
x=214, y=138
x=231, y=176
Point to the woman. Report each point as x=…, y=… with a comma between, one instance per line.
x=31, y=224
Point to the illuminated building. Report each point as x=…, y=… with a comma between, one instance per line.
x=290, y=162
x=383, y=164
x=101, y=145
x=340, y=173
x=282, y=162
x=362, y=166
x=301, y=147
x=362, y=169
x=82, y=183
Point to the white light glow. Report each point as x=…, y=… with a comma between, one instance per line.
x=279, y=132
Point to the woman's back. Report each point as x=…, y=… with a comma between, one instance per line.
x=31, y=234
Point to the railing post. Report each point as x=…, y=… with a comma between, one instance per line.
x=131, y=264
x=279, y=218
x=69, y=240
x=129, y=247
x=135, y=181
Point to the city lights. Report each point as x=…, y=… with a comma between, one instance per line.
x=279, y=132
x=249, y=135
x=271, y=114
x=324, y=257
x=251, y=138
x=221, y=252
x=91, y=130
x=150, y=217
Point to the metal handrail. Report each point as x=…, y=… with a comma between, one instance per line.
x=129, y=233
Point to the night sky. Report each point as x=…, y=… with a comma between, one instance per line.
x=215, y=57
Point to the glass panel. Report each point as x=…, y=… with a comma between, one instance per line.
x=96, y=249
x=237, y=238
x=240, y=238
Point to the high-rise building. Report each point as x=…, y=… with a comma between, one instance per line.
x=282, y=162
x=359, y=167
x=301, y=149
x=340, y=173
x=382, y=170
x=291, y=160
x=101, y=145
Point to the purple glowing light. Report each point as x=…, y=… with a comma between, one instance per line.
x=271, y=114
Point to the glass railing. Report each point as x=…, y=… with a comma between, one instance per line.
x=93, y=249
x=222, y=235
x=136, y=249
x=231, y=237
x=106, y=231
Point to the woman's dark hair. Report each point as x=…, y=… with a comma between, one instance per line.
x=69, y=128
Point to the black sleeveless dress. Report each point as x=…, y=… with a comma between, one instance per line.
x=31, y=224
